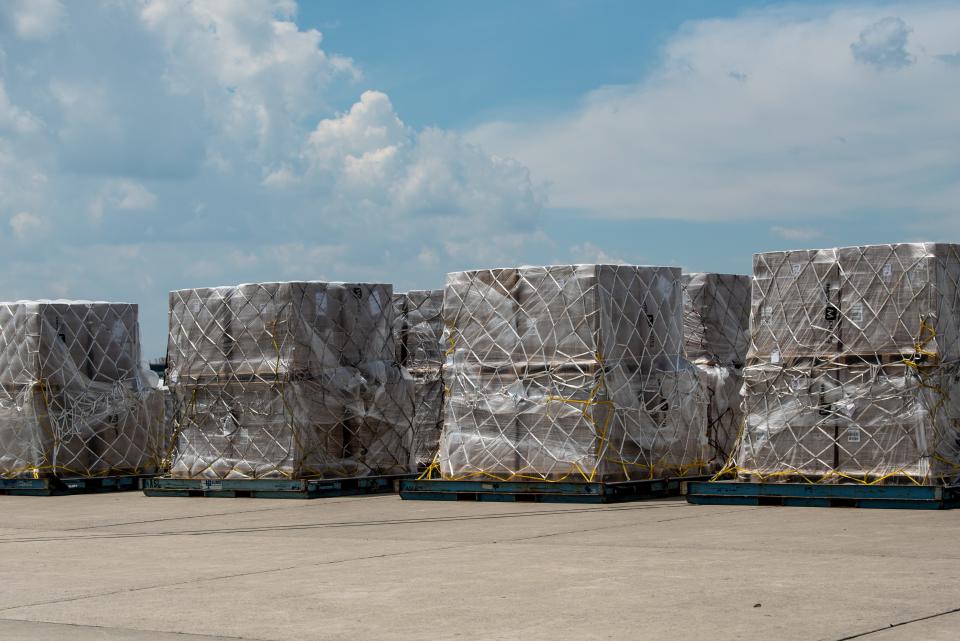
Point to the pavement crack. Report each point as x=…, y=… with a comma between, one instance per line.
x=236, y=575
x=861, y=635
x=192, y=635
x=341, y=524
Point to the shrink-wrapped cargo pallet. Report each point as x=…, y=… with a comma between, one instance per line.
x=568, y=372
x=287, y=380
x=853, y=366
x=74, y=400
x=716, y=314
x=418, y=328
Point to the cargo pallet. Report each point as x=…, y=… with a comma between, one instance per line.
x=58, y=486
x=913, y=497
x=540, y=491
x=272, y=488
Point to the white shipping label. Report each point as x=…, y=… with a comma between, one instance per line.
x=321, y=303
x=775, y=356
x=853, y=435
x=856, y=313
x=796, y=268
x=887, y=272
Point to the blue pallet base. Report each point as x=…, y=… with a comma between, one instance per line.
x=58, y=486
x=539, y=491
x=272, y=488
x=912, y=497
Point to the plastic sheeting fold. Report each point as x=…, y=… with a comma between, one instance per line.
x=418, y=329
x=716, y=314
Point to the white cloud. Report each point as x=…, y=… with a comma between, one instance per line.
x=14, y=118
x=121, y=195
x=223, y=144
x=258, y=74
x=795, y=233
x=373, y=165
x=810, y=131
x=36, y=19
x=884, y=44
x=25, y=224
x=588, y=252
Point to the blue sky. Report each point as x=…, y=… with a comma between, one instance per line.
x=148, y=146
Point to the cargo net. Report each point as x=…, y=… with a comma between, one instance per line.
x=418, y=332
x=716, y=314
x=568, y=373
x=74, y=401
x=287, y=380
x=852, y=372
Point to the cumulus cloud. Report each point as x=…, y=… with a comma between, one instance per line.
x=36, y=19
x=13, y=118
x=225, y=144
x=256, y=71
x=588, y=252
x=122, y=195
x=795, y=233
x=884, y=44
x=25, y=224
x=811, y=132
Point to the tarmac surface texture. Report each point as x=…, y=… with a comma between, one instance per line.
x=124, y=566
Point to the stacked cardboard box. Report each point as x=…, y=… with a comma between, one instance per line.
x=852, y=369
x=289, y=380
x=418, y=329
x=568, y=372
x=74, y=401
x=716, y=315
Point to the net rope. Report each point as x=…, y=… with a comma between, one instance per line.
x=74, y=400
x=571, y=372
x=287, y=380
x=852, y=372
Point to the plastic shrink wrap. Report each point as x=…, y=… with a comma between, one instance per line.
x=287, y=380
x=852, y=372
x=716, y=315
x=418, y=330
x=568, y=372
x=74, y=398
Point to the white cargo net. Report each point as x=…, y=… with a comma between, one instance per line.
x=418, y=331
x=852, y=371
x=287, y=380
x=716, y=314
x=74, y=400
x=568, y=372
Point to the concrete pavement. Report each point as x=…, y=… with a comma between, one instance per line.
x=124, y=566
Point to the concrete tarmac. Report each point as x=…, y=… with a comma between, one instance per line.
x=124, y=566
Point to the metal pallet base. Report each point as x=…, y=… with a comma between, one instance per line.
x=912, y=497
x=539, y=491
x=271, y=488
x=56, y=486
